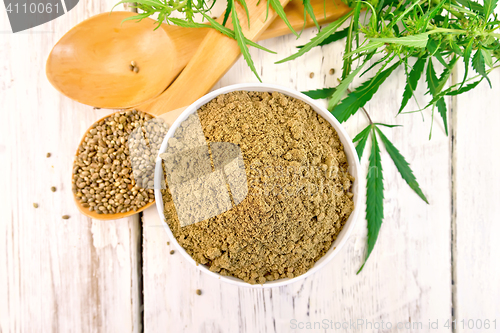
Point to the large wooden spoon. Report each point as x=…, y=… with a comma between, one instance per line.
x=90, y=63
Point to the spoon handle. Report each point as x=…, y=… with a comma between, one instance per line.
x=325, y=12
x=189, y=39
x=214, y=57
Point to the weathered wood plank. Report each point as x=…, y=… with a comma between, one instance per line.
x=74, y=275
x=408, y=276
x=476, y=209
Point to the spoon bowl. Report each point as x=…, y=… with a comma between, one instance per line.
x=90, y=63
x=169, y=118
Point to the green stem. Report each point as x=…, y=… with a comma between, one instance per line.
x=452, y=31
x=453, y=12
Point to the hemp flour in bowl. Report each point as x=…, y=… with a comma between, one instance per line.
x=260, y=184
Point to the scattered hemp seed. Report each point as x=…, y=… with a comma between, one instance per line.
x=133, y=67
x=53, y=189
x=198, y=291
x=168, y=243
x=35, y=205
x=311, y=75
x=332, y=71
x=65, y=217
x=172, y=252
x=48, y=155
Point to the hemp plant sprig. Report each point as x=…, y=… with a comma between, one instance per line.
x=421, y=33
x=189, y=8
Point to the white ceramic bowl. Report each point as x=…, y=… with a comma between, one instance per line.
x=354, y=170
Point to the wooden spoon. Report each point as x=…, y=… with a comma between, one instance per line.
x=90, y=63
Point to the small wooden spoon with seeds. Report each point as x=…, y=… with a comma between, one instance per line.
x=216, y=54
x=90, y=63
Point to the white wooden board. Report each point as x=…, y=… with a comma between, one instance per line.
x=476, y=207
x=91, y=276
